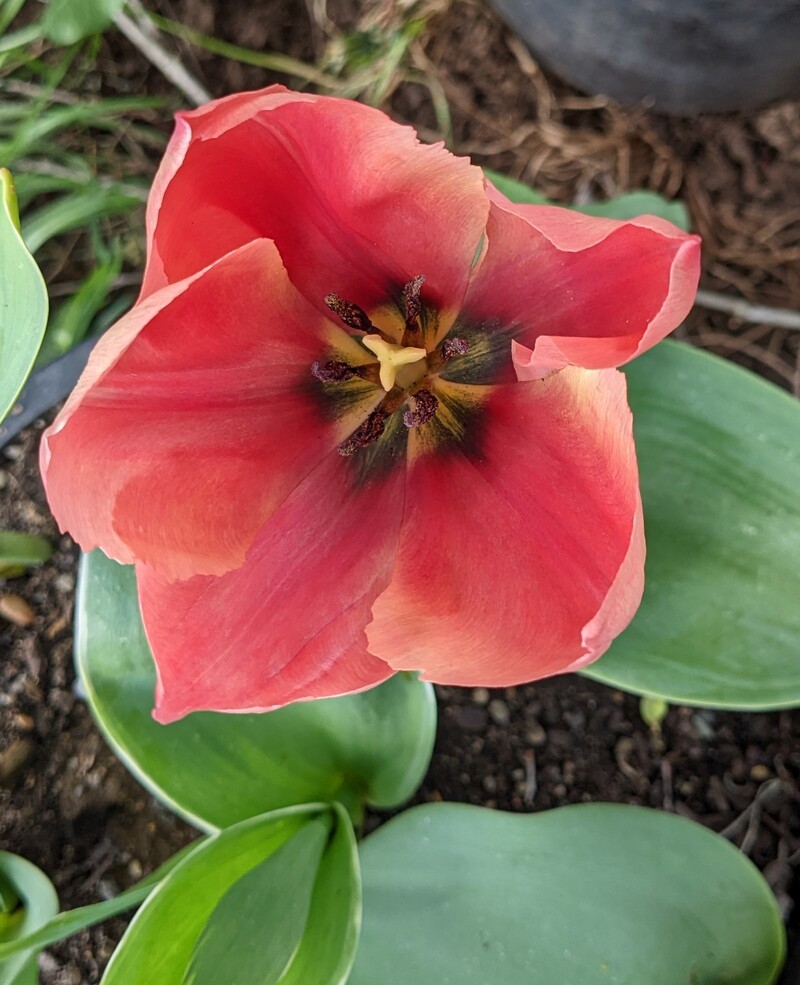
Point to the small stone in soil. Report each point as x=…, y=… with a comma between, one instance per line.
x=15, y=609
x=64, y=583
x=499, y=713
x=480, y=696
x=535, y=735
x=13, y=760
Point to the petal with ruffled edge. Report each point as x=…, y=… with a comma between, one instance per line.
x=289, y=624
x=196, y=417
x=579, y=290
x=522, y=554
x=356, y=205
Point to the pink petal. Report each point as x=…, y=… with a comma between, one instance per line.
x=354, y=203
x=521, y=556
x=194, y=420
x=289, y=624
x=578, y=290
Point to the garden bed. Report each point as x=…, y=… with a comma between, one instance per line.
x=67, y=804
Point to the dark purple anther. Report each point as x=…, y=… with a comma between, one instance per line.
x=454, y=347
x=351, y=314
x=411, y=301
x=332, y=371
x=365, y=434
x=425, y=404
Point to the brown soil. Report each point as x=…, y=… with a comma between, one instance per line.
x=67, y=803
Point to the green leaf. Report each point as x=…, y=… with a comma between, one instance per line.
x=653, y=711
x=586, y=894
x=71, y=921
x=516, y=190
x=720, y=469
x=159, y=942
x=328, y=947
x=29, y=900
x=627, y=206
x=21, y=551
x=72, y=321
x=76, y=209
x=23, y=301
x=246, y=906
x=633, y=204
x=8, y=11
x=68, y=21
x=216, y=769
x=256, y=928
x=21, y=38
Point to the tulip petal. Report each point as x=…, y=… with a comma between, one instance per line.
x=195, y=419
x=289, y=624
x=356, y=205
x=522, y=554
x=581, y=290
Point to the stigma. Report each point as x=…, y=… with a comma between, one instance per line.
x=392, y=358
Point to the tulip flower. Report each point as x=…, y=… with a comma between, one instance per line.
x=365, y=415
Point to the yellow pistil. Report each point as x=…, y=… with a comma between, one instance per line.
x=392, y=357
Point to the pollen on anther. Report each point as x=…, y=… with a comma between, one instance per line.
x=350, y=314
x=332, y=372
x=369, y=431
x=454, y=347
x=412, y=303
x=425, y=405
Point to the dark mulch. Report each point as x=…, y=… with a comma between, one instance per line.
x=67, y=803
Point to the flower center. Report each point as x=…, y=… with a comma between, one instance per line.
x=407, y=370
x=392, y=359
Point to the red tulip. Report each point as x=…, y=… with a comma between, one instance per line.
x=364, y=416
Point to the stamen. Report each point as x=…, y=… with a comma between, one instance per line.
x=454, y=347
x=411, y=301
x=365, y=434
x=425, y=404
x=351, y=314
x=332, y=372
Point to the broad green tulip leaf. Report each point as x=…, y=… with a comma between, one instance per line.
x=719, y=458
x=626, y=206
x=23, y=301
x=19, y=551
x=248, y=903
x=68, y=21
x=293, y=920
x=257, y=926
x=69, y=922
x=328, y=948
x=581, y=895
x=27, y=901
x=216, y=769
x=516, y=190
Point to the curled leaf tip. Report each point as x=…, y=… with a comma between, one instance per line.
x=9, y=195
